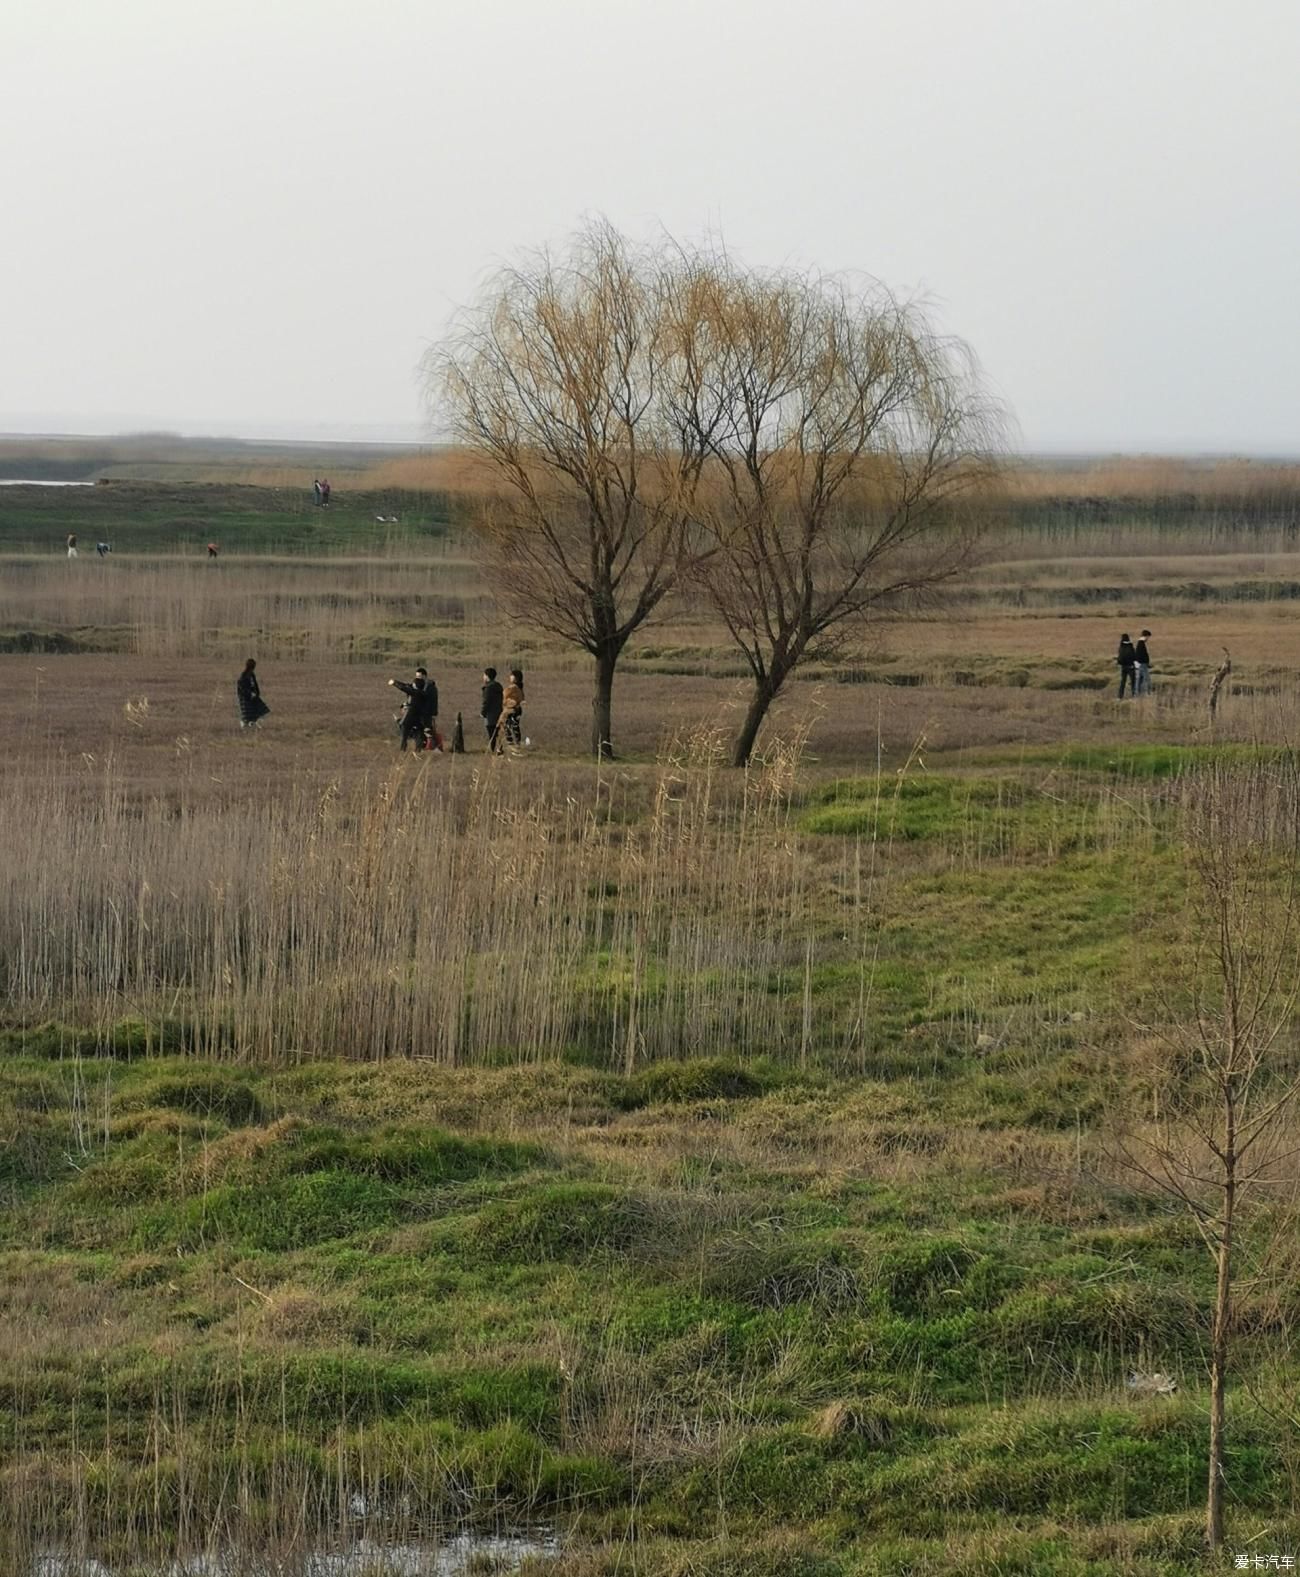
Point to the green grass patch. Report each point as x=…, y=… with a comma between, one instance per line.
x=143, y=517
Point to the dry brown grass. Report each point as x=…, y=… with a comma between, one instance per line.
x=162, y=606
x=448, y=468
x=306, y=891
x=283, y=890
x=78, y=719
x=449, y=915
x=1156, y=477
x=1226, y=481
x=436, y=469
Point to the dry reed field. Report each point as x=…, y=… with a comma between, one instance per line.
x=409, y=914
x=157, y=606
x=659, y=1167
x=710, y=1161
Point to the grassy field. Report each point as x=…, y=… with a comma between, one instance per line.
x=183, y=517
x=716, y=1170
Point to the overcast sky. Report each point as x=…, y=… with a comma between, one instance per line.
x=252, y=217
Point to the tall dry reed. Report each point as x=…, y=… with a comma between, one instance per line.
x=414, y=915
x=317, y=609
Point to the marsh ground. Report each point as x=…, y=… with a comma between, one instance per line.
x=715, y=1168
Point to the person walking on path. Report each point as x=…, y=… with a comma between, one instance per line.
x=252, y=708
x=513, y=707
x=491, y=708
x=411, y=724
x=1126, y=657
x=1142, y=659
x=72, y=544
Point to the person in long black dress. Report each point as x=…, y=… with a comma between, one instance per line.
x=252, y=708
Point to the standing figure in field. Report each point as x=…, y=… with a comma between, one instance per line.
x=411, y=723
x=252, y=708
x=325, y=491
x=513, y=708
x=1142, y=657
x=72, y=544
x=1126, y=657
x=315, y=491
x=432, y=738
x=491, y=707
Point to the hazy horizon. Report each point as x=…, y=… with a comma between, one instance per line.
x=350, y=436
x=252, y=221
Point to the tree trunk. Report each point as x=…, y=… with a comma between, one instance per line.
x=602, y=705
x=764, y=694
x=1219, y=1370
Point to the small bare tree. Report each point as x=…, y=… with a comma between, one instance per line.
x=1216, y=684
x=1218, y=1138
x=844, y=443
x=563, y=385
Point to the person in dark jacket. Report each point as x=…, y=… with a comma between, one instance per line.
x=1142, y=658
x=252, y=708
x=491, y=707
x=1126, y=657
x=429, y=722
x=411, y=724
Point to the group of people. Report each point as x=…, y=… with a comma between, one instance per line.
x=321, y=491
x=417, y=723
x=1134, y=665
x=102, y=548
x=501, y=708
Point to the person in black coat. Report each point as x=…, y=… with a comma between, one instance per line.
x=411, y=724
x=491, y=708
x=252, y=708
x=429, y=717
x=1127, y=660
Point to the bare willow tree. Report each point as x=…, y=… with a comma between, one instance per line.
x=844, y=445
x=560, y=380
x=1219, y=1139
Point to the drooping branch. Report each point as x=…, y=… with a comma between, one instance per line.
x=844, y=447
x=567, y=380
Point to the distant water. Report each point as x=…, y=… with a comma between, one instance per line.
x=19, y=481
x=454, y=1557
